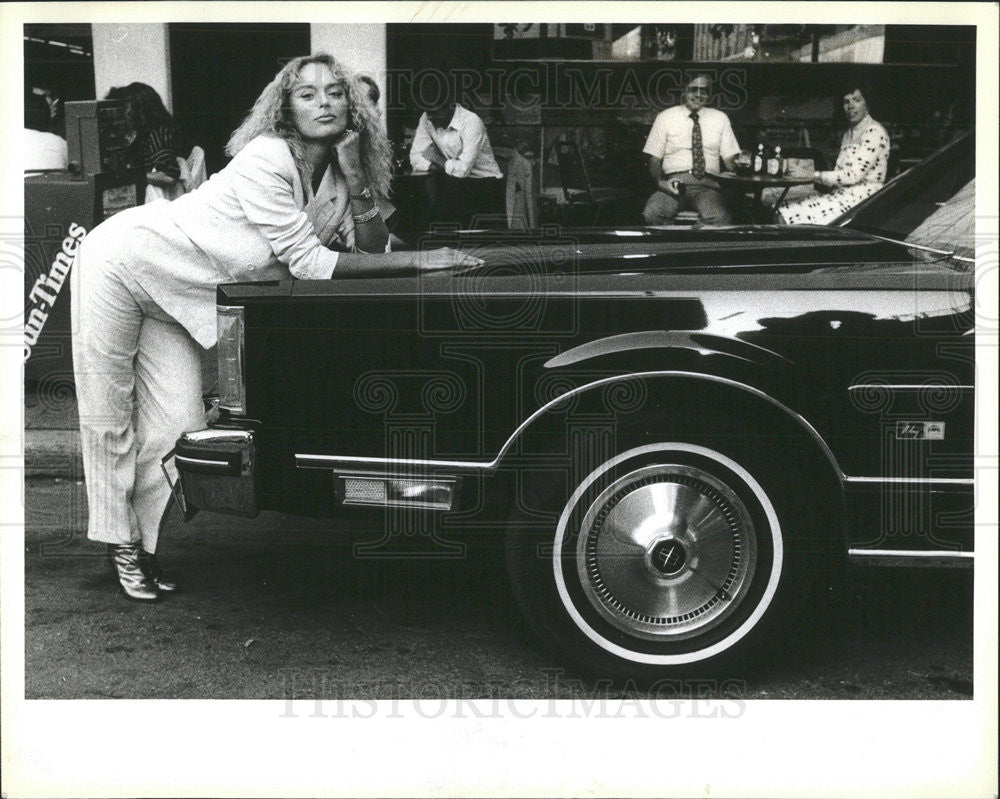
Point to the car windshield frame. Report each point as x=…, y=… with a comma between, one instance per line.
x=905, y=202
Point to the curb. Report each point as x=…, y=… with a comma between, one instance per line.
x=53, y=453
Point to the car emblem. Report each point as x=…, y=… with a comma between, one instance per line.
x=920, y=431
x=668, y=557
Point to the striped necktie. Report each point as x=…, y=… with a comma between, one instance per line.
x=697, y=153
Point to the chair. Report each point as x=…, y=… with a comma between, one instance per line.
x=521, y=200
x=192, y=176
x=806, y=153
x=196, y=174
x=896, y=165
x=686, y=218
x=576, y=187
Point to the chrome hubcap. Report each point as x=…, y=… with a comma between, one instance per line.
x=666, y=552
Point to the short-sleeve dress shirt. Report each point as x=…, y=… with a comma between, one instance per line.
x=670, y=139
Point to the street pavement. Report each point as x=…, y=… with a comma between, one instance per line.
x=282, y=607
x=286, y=607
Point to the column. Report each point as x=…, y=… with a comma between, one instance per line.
x=360, y=46
x=128, y=52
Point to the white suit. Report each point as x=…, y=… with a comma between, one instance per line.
x=144, y=296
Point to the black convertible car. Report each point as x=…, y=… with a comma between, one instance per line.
x=682, y=434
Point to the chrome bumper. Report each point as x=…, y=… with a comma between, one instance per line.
x=216, y=469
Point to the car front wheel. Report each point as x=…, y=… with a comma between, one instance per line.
x=665, y=558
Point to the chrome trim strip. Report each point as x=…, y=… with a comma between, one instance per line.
x=860, y=386
x=921, y=247
x=702, y=343
x=911, y=559
x=395, y=503
x=910, y=553
x=201, y=462
x=217, y=435
x=913, y=480
x=307, y=461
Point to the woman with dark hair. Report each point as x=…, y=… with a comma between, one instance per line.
x=156, y=133
x=299, y=199
x=861, y=168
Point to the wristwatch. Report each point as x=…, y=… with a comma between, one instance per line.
x=366, y=194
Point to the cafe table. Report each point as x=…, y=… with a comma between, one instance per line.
x=755, y=185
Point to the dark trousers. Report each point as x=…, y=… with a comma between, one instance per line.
x=699, y=194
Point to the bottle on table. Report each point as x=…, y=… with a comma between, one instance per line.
x=758, y=160
x=774, y=162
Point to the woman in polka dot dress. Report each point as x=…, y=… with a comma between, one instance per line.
x=860, y=171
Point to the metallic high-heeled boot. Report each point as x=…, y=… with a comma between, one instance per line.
x=134, y=582
x=151, y=568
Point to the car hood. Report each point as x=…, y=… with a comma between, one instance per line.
x=770, y=248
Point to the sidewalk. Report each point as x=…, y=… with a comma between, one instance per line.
x=52, y=426
x=51, y=433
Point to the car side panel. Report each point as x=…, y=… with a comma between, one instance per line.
x=446, y=370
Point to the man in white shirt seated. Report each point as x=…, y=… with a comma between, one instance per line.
x=451, y=142
x=42, y=150
x=687, y=145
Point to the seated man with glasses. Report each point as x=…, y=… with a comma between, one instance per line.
x=687, y=145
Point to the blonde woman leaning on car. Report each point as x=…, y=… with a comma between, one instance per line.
x=299, y=198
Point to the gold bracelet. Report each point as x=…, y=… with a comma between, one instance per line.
x=367, y=216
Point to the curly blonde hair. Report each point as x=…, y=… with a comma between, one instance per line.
x=271, y=115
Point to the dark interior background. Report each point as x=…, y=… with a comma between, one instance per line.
x=69, y=71
x=924, y=89
x=218, y=70
x=923, y=92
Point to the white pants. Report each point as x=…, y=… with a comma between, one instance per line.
x=138, y=387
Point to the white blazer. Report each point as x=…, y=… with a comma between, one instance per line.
x=253, y=212
x=252, y=221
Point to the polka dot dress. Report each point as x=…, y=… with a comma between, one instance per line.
x=860, y=172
